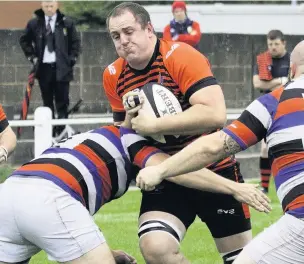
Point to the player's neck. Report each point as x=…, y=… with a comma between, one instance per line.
x=299, y=76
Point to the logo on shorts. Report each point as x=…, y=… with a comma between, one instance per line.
x=223, y=211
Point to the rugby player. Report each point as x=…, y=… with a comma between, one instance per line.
x=170, y=209
x=279, y=117
x=48, y=202
x=7, y=137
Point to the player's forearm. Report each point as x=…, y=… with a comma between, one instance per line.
x=205, y=180
x=199, y=154
x=195, y=156
x=8, y=140
x=195, y=120
x=267, y=85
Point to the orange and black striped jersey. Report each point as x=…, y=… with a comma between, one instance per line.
x=175, y=65
x=93, y=167
x=279, y=117
x=3, y=120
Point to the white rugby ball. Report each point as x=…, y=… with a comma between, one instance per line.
x=159, y=101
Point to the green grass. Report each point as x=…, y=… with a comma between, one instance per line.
x=118, y=221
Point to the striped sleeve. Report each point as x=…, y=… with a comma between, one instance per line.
x=137, y=147
x=3, y=120
x=252, y=125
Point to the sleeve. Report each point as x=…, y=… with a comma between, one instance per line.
x=167, y=33
x=137, y=147
x=193, y=38
x=192, y=72
x=109, y=86
x=26, y=40
x=75, y=42
x=3, y=120
x=253, y=124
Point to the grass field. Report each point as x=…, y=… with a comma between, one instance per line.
x=118, y=221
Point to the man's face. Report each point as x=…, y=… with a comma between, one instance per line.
x=179, y=14
x=130, y=39
x=276, y=47
x=49, y=7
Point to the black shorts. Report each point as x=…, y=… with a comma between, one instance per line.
x=223, y=215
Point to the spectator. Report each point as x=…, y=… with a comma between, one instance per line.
x=181, y=28
x=52, y=44
x=270, y=72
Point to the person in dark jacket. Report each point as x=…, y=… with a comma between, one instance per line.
x=51, y=42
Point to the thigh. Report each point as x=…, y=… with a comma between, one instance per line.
x=171, y=199
x=224, y=215
x=45, y=83
x=54, y=221
x=14, y=248
x=99, y=255
x=62, y=91
x=282, y=242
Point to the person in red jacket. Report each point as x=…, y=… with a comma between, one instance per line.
x=181, y=28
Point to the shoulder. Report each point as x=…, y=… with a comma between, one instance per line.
x=271, y=100
x=33, y=22
x=2, y=113
x=115, y=68
x=112, y=72
x=194, y=23
x=262, y=55
x=172, y=51
x=68, y=21
x=167, y=27
x=287, y=56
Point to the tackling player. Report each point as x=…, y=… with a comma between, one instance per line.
x=47, y=203
x=278, y=117
x=7, y=137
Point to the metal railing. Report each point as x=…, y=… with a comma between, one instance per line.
x=43, y=125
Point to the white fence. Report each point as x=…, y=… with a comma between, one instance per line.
x=43, y=124
x=236, y=18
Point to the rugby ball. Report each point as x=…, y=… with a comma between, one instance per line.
x=159, y=101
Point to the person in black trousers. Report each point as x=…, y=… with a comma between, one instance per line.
x=51, y=42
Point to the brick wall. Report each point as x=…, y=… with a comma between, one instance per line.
x=232, y=58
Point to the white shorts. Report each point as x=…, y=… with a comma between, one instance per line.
x=36, y=214
x=281, y=243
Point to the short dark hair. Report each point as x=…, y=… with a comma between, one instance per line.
x=141, y=14
x=275, y=34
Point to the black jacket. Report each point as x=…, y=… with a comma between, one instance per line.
x=67, y=43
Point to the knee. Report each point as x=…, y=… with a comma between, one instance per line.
x=158, y=250
x=230, y=257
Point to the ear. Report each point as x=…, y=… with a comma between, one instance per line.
x=150, y=29
x=292, y=71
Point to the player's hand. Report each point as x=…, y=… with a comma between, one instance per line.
x=148, y=178
x=132, y=102
x=251, y=195
x=122, y=257
x=144, y=124
x=284, y=80
x=3, y=154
